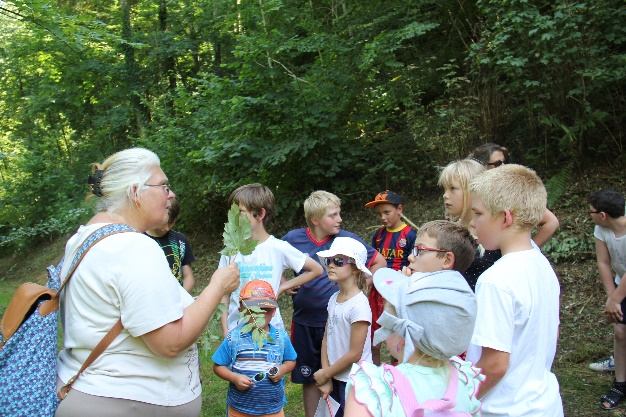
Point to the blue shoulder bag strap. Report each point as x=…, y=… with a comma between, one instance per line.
x=95, y=237
x=92, y=239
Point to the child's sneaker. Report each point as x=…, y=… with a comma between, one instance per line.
x=606, y=365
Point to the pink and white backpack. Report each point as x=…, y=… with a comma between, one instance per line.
x=443, y=407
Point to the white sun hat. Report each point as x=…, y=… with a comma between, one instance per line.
x=436, y=311
x=349, y=247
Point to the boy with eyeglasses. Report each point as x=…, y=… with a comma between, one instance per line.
x=394, y=242
x=517, y=325
x=441, y=245
x=176, y=246
x=322, y=212
x=606, y=208
x=255, y=374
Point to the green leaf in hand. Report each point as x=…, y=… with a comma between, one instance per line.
x=237, y=234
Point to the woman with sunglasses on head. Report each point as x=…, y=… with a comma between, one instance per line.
x=492, y=156
x=151, y=367
x=347, y=337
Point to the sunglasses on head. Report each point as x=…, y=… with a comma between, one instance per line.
x=496, y=164
x=338, y=260
x=273, y=371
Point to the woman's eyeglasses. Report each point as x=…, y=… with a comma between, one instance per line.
x=496, y=164
x=417, y=249
x=339, y=260
x=273, y=371
x=166, y=187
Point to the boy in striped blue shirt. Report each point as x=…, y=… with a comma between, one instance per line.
x=255, y=374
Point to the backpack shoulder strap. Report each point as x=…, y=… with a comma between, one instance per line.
x=95, y=237
x=412, y=408
x=92, y=239
x=404, y=390
x=88, y=243
x=97, y=351
x=448, y=401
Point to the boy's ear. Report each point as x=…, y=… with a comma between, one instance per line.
x=399, y=208
x=314, y=221
x=508, y=218
x=448, y=261
x=261, y=215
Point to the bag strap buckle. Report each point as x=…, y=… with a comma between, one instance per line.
x=66, y=388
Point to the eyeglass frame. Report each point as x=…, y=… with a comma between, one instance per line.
x=166, y=187
x=345, y=260
x=496, y=164
x=258, y=377
x=594, y=212
x=418, y=248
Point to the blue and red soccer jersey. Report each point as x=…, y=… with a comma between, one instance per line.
x=395, y=246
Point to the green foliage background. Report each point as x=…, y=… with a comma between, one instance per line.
x=349, y=96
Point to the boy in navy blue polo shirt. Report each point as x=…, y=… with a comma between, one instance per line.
x=321, y=210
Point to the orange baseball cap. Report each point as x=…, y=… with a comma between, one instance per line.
x=258, y=293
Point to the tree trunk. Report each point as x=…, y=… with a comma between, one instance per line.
x=169, y=64
x=142, y=114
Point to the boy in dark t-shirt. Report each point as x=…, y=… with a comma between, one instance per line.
x=176, y=248
x=310, y=302
x=394, y=241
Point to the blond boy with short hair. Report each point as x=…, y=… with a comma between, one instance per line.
x=515, y=337
x=322, y=212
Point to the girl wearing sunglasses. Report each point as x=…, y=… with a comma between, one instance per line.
x=347, y=337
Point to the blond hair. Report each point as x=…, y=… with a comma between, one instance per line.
x=515, y=188
x=317, y=204
x=255, y=197
x=361, y=282
x=122, y=170
x=463, y=171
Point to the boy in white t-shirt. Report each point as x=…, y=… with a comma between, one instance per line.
x=270, y=257
x=606, y=208
x=515, y=336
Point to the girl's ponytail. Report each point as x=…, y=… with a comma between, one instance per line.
x=360, y=281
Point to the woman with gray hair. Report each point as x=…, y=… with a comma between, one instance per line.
x=151, y=367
